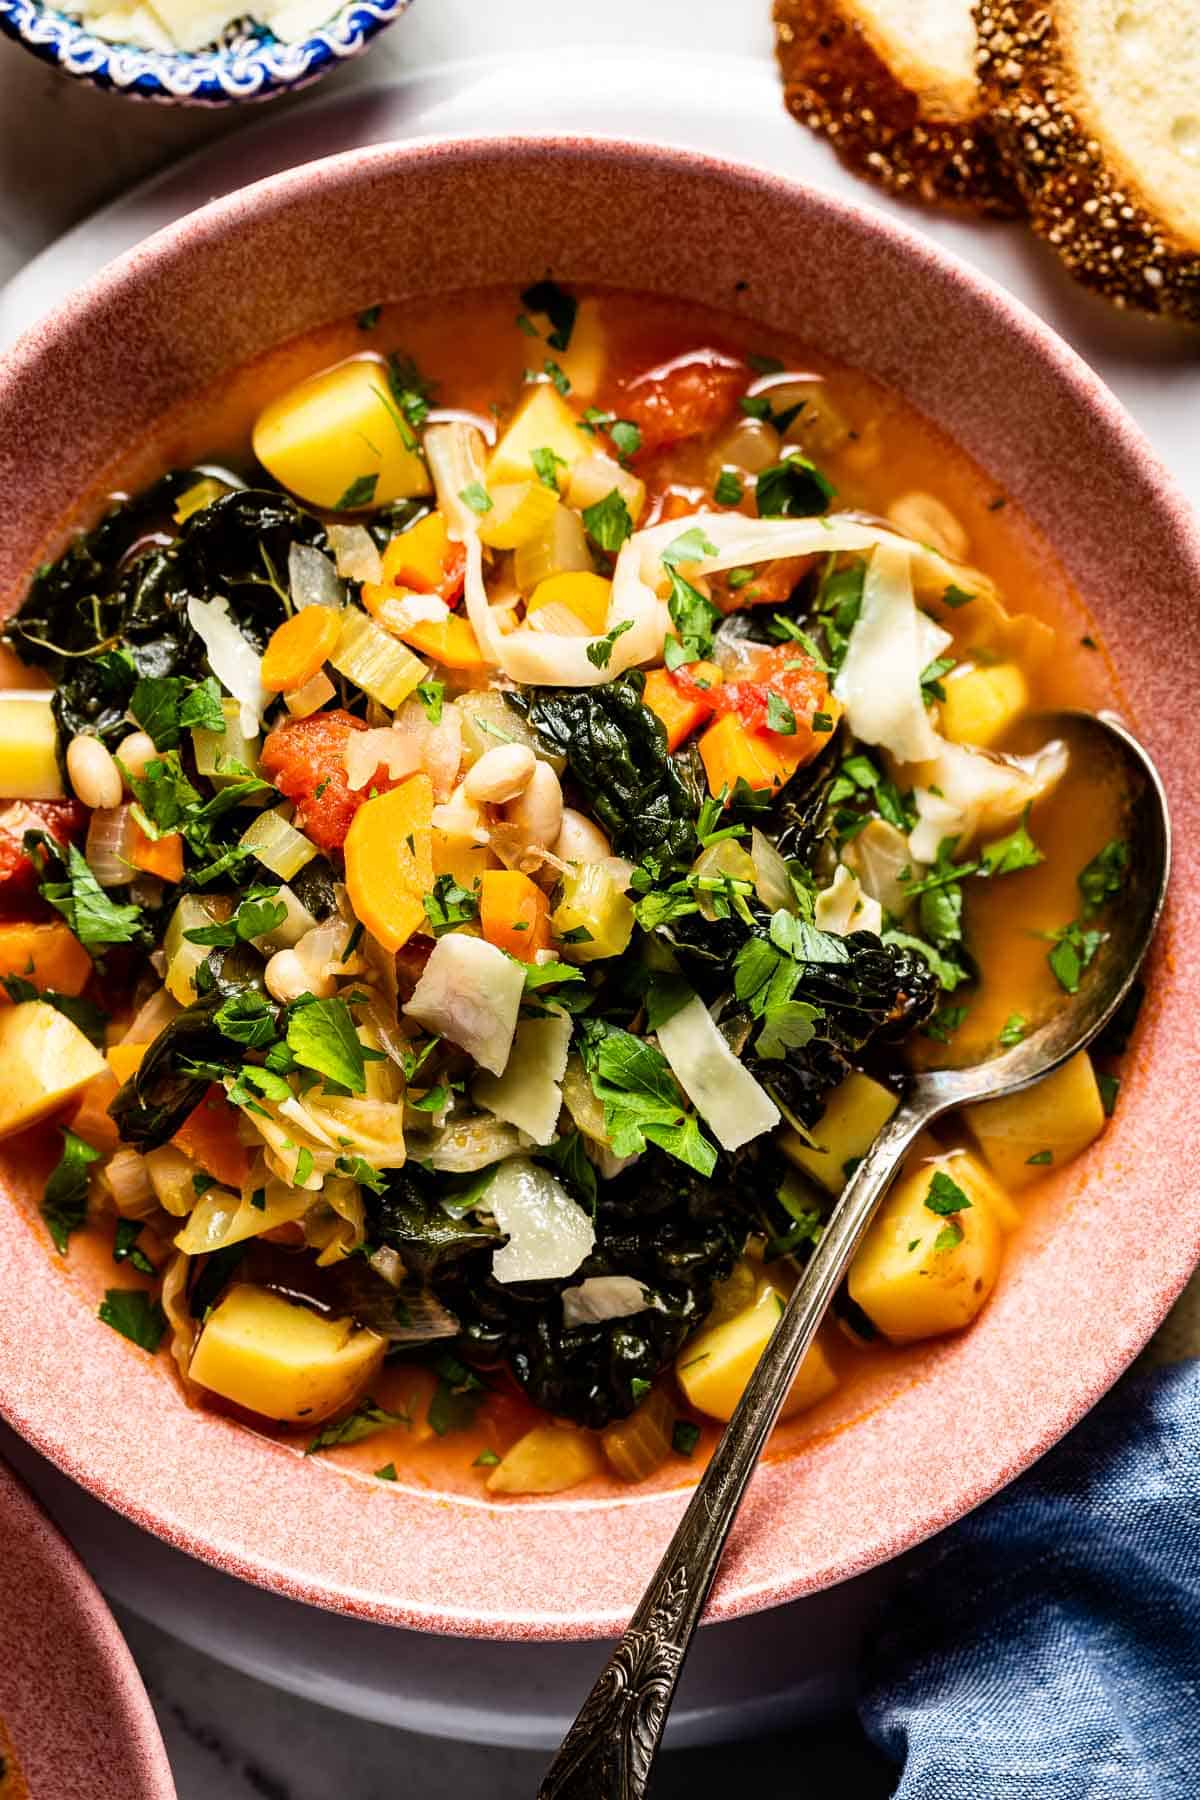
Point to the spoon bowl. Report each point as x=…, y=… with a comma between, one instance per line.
x=609, y=1752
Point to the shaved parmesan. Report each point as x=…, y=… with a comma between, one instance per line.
x=603, y=1297
x=233, y=659
x=549, y=1234
x=978, y=793
x=529, y=1093
x=843, y=907
x=470, y=992
x=879, y=682
x=724, y=1093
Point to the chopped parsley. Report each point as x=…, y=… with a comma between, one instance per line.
x=780, y=716
x=945, y=1196
x=1100, y=880
x=321, y=1037
x=600, y=652
x=557, y=306
x=450, y=905
x=476, y=496
x=360, y=493
x=133, y=1313
x=457, y=1397
x=1040, y=1160
x=546, y=464
x=64, y=1198
x=1013, y=1030
x=1073, y=950
x=366, y=1419
x=684, y=1437
x=432, y=695
x=607, y=522
x=792, y=489
x=125, y=1246
x=626, y=437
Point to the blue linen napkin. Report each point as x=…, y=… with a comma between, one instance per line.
x=1048, y=1646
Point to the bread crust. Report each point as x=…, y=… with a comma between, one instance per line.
x=837, y=82
x=1081, y=196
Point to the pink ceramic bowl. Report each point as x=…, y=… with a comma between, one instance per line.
x=72, y=1705
x=926, y=1436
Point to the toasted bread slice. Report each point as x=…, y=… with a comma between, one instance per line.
x=892, y=83
x=1096, y=104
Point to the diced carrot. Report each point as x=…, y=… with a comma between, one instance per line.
x=587, y=596
x=389, y=861
x=125, y=1059
x=91, y=1119
x=157, y=856
x=50, y=956
x=761, y=759
x=680, y=710
x=421, y=560
x=209, y=1135
x=514, y=914
x=450, y=641
x=299, y=648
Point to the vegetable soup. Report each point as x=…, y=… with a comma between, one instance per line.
x=491, y=812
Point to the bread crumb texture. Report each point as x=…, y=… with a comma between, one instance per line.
x=1096, y=107
x=890, y=85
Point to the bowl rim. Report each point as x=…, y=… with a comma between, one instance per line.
x=260, y=70
x=739, y=1591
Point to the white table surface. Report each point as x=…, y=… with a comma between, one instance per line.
x=64, y=150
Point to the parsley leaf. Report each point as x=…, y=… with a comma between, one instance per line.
x=642, y=1103
x=64, y=1199
x=476, y=496
x=1004, y=856
x=559, y=308
x=728, y=489
x=431, y=694
x=626, y=437
x=689, y=546
x=457, y=1397
x=945, y=1196
x=600, y=652
x=954, y=597
x=321, y=1036
x=1013, y=1030
x=125, y=1246
x=607, y=522
x=546, y=465
x=792, y=489
x=949, y=1236
x=77, y=895
x=360, y=493
x=246, y=1018
x=1073, y=950
x=1104, y=876
x=780, y=716
x=449, y=905
x=133, y=1313
x=366, y=1419
x=694, y=618
x=165, y=706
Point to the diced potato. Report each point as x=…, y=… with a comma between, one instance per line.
x=1062, y=1114
x=460, y=857
x=714, y=1366
x=543, y=421
x=44, y=1060
x=327, y=437
x=583, y=360
x=855, y=1113
x=982, y=703
x=281, y=1360
x=919, y=1273
x=592, y=903
x=638, y=1445
x=546, y=1460
x=28, y=749
x=47, y=954
x=519, y=510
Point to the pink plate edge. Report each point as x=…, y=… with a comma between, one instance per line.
x=1125, y=1336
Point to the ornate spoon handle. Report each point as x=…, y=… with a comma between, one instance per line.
x=609, y=1751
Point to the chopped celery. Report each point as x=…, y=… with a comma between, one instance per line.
x=216, y=751
x=559, y=548
x=277, y=844
x=375, y=661
x=488, y=720
x=193, y=913
x=638, y=1445
x=594, y=918
x=291, y=928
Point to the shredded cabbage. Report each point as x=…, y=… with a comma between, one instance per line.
x=979, y=793
x=879, y=682
x=233, y=659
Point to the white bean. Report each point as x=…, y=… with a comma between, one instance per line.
x=930, y=521
x=539, y=810
x=286, y=977
x=136, y=753
x=94, y=775
x=579, y=840
x=500, y=774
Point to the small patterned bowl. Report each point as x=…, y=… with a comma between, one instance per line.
x=249, y=64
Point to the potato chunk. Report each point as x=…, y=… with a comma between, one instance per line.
x=546, y=1460
x=982, y=703
x=44, y=1060
x=29, y=749
x=543, y=421
x=1063, y=1114
x=714, y=1366
x=336, y=439
x=919, y=1272
x=283, y=1361
x=855, y=1113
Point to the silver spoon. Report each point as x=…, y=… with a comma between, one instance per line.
x=610, y=1749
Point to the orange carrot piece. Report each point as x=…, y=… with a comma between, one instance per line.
x=91, y=1119
x=125, y=1059
x=49, y=955
x=763, y=760
x=209, y=1135
x=514, y=914
x=156, y=856
x=679, y=712
x=450, y=641
x=300, y=647
x=389, y=861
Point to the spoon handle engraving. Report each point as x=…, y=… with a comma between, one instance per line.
x=609, y=1751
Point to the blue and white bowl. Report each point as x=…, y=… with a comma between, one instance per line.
x=248, y=64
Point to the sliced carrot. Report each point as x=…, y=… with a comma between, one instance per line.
x=761, y=759
x=680, y=710
x=125, y=1059
x=389, y=861
x=451, y=641
x=156, y=856
x=50, y=956
x=587, y=596
x=421, y=560
x=209, y=1135
x=91, y=1119
x=299, y=648
x=514, y=914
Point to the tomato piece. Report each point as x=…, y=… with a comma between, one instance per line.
x=63, y=820
x=688, y=398
x=303, y=757
x=785, y=671
x=773, y=584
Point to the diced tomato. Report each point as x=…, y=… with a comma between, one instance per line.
x=772, y=584
x=303, y=757
x=687, y=398
x=784, y=671
x=64, y=820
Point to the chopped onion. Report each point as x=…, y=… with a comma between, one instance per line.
x=877, y=854
x=549, y=1234
x=441, y=744
x=879, y=682
x=128, y=1181
x=277, y=844
x=465, y=1145
x=312, y=578
x=603, y=1297
x=109, y=845
x=529, y=1093
x=843, y=907
x=722, y=1090
x=222, y=1218
x=772, y=883
x=470, y=992
x=366, y=750
x=979, y=793
x=233, y=659
x=151, y=1018
x=454, y=452
x=355, y=555
x=400, y=612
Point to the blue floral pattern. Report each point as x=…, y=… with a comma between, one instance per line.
x=249, y=64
